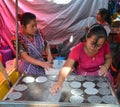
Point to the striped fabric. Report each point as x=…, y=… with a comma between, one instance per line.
x=34, y=50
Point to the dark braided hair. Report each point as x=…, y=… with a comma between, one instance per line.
x=26, y=17
x=96, y=30
x=105, y=14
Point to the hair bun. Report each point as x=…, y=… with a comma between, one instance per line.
x=19, y=17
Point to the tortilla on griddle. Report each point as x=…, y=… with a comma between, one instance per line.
x=102, y=84
x=91, y=91
x=14, y=95
x=75, y=99
x=104, y=91
x=109, y=99
x=53, y=77
x=76, y=91
x=70, y=78
x=90, y=78
x=88, y=84
x=41, y=79
x=20, y=87
x=28, y=79
x=75, y=84
x=79, y=78
x=94, y=99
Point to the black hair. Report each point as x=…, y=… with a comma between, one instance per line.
x=98, y=31
x=26, y=17
x=105, y=14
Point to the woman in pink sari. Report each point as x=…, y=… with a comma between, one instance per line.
x=93, y=57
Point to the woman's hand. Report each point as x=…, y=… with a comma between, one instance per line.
x=55, y=87
x=46, y=65
x=50, y=59
x=103, y=70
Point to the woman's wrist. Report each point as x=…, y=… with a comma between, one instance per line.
x=60, y=82
x=106, y=67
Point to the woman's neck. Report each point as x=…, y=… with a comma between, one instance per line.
x=102, y=22
x=27, y=35
x=89, y=53
x=30, y=37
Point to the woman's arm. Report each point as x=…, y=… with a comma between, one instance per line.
x=104, y=68
x=64, y=72
x=108, y=60
x=48, y=52
x=34, y=61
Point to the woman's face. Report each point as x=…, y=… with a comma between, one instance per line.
x=98, y=16
x=91, y=48
x=30, y=28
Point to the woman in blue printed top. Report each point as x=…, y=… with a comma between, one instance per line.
x=31, y=45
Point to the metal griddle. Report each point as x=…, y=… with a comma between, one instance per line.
x=40, y=91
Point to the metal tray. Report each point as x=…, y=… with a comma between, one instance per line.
x=40, y=91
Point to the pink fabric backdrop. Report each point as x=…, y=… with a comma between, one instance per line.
x=58, y=19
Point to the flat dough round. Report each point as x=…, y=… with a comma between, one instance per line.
x=102, y=84
x=28, y=79
x=100, y=78
x=53, y=78
x=75, y=99
x=91, y=91
x=104, y=91
x=75, y=84
x=79, y=78
x=94, y=99
x=52, y=71
x=76, y=91
x=90, y=78
x=20, y=87
x=70, y=78
x=65, y=84
x=41, y=79
x=14, y=95
x=109, y=99
x=88, y=84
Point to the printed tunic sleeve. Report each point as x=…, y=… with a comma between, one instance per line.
x=21, y=48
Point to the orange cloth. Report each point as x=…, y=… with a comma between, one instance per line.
x=0, y=57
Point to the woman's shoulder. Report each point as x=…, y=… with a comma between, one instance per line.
x=106, y=43
x=105, y=47
x=78, y=46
